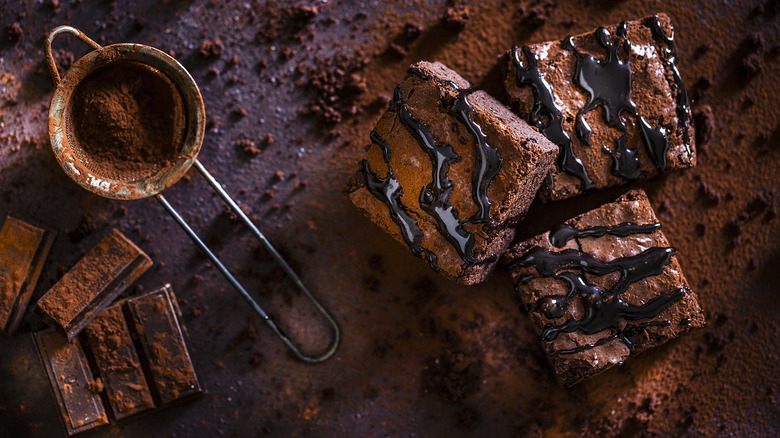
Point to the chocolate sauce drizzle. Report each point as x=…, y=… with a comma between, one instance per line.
x=683, y=100
x=488, y=162
x=389, y=191
x=608, y=84
x=434, y=197
x=545, y=107
x=603, y=309
x=561, y=234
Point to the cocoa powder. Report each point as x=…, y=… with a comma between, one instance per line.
x=128, y=119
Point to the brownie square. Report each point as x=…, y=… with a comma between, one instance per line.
x=603, y=286
x=449, y=171
x=611, y=99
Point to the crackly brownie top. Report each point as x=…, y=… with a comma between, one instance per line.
x=612, y=100
x=597, y=284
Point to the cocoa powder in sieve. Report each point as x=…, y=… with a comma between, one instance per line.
x=128, y=119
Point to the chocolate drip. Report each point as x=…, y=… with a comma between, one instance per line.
x=608, y=84
x=683, y=100
x=623, y=336
x=434, y=197
x=389, y=191
x=488, y=162
x=545, y=107
x=561, y=234
x=603, y=309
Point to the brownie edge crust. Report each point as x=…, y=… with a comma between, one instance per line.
x=602, y=287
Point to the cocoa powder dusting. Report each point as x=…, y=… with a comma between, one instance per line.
x=129, y=119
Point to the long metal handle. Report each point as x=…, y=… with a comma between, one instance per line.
x=221, y=267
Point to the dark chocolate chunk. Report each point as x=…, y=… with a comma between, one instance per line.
x=603, y=286
x=72, y=382
x=90, y=286
x=23, y=250
x=155, y=319
x=117, y=363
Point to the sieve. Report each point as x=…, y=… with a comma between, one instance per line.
x=75, y=161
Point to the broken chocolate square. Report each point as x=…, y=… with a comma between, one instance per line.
x=72, y=382
x=90, y=286
x=611, y=99
x=117, y=363
x=603, y=286
x=23, y=250
x=155, y=318
x=449, y=172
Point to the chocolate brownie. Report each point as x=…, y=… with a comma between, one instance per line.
x=603, y=286
x=449, y=171
x=612, y=100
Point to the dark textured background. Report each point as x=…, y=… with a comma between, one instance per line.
x=420, y=356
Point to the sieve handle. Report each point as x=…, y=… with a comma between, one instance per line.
x=55, y=75
x=336, y=332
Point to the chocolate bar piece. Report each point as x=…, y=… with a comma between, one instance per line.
x=117, y=363
x=449, y=172
x=90, y=286
x=603, y=286
x=612, y=100
x=71, y=381
x=155, y=317
x=23, y=250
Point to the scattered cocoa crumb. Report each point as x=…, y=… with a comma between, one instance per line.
x=268, y=194
x=210, y=48
x=537, y=16
x=337, y=83
x=256, y=359
x=96, y=386
x=15, y=32
x=248, y=146
x=269, y=139
x=456, y=18
x=277, y=176
x=412, y=31
x=55, y=6
x=752, y=65
x=302, y=184
x=240, y=112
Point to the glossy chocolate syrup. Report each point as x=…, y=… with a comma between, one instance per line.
x=434, y=197
x=603, y=309
x=609, y=85
x=488, y=162
x=683, y=100
x=545, y=107
x=561, y=234
x=389, y=191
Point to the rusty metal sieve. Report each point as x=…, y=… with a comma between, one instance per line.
x=76, y=162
